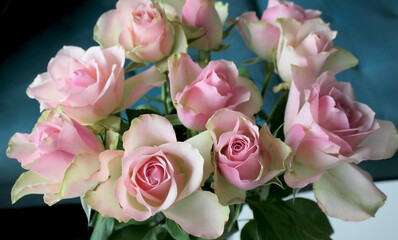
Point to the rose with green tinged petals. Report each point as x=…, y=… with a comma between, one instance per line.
x=155, y=174
x=309, y=45
x=245, y=157
x=60, y=155
x=262, y=35
x=328, y=131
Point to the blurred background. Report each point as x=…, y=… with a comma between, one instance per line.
x=32, y=32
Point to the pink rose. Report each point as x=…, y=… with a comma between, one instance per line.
x=140, y=27
x=327, y=130
x=89, y=84
x=203, y=14
x=309, y=45
x=262, y=35
x=54, y=152
x=244, y=156
x=157, y=174
x=197, y=93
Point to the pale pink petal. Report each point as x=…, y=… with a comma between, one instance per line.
x=338, y=61
x=383, y=143
x=20, y=148
x=348, y=192
x=138, y=85
x=103, y=197
x=278, y=152
x=129, y=204
x=76, y=178
x=45, y=91
x=182, y=72
x=204, y=143
x=189, y=213
x=227, y=193
x=191, y=164
x=108, y=28
x=300, y=176
x=148, y=130
x=191, y=119
x=253, y=105
x=32, y=183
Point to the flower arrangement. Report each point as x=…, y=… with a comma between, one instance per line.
x=184, y=167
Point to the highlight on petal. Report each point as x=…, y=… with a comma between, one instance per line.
x=76, y=178
x=182, y=72
x=148, y=130
x=348, y=192
x=108, y=28
x=103, y=197
x=253, y=105
x=383, y=142
x=32, y=183
x=204, y=143
x=200, y=214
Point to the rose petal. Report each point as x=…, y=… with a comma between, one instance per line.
x=108, y=28
x=348, y=192
x=148, y=130
x=182, y=72
x=383, y=143
x=32, y=183
x=103, y=197
x=204, y=143
x=138, y=85
x=189, y=213
x=227, y=193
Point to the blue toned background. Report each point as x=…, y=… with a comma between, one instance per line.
x=31, y=35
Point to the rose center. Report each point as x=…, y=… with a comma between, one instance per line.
x=220, y=81
x=80, y=78
x=144, y=14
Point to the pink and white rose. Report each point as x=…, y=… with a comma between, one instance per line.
x=90, y=84
x=204, y=14
x=328, y=130
x=141, y=27
x=198, y=93
x=262, y=35
x=60, y=155
x=309, y=44
x=244, y=156
x=157, y=174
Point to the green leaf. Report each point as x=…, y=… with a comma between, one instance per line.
x=134, y=66
x=252, y=61
x=310, y=210
x=103, y=227
x=222, y=47
x=276, y=118
x=244, y=72
x=134, y=113
x=228, y=30
x=176, y=231
x=173, y=119
x=130, y=232
x=278, y=220
x=86, y=209
x=249, y=231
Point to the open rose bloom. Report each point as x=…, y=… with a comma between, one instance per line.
x=155, y=173
x=60, y=156
x=90, y=85
x=245, y=157
x=198, y=93
x=329, y=130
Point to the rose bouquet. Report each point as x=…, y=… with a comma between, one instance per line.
x=184, y=165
